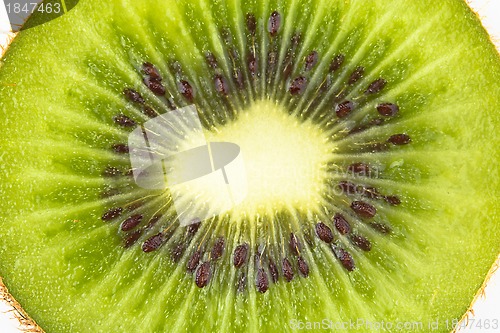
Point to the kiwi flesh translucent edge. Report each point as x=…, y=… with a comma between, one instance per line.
x=395, y=103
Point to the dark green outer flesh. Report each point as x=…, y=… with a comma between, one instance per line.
x=68, y=270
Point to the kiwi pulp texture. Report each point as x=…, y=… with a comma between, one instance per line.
x=368, y=133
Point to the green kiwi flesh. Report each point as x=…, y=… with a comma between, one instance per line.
x=373, y=123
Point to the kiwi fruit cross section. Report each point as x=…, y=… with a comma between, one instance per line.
x=369, y=135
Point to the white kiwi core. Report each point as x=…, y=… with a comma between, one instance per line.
x=285, y=161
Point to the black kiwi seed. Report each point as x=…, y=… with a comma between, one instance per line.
x=153, y=243
x=149, y=111
x=347, y=187
x=274, y=23
x=343, y=109
x=193, y=227
x=155, y=86
x=193, y=261
x=287, y=270
x=399, y=139
x=120, y=148
x=303, y=266
x=203, y=274
x=251, y=24
x=240, y=255
x=387, y=109
x=298, y=85
x=380, y=227
x=221, y=85
x=356, y=75
x=359, y=168
x=273, y=270
x=393, y=200
x=132, y=238
x=337, y=62
x=133, y=96
x=261, y=280
x=123, y=121
x=131, y=222
x=186, y=90
x=311, y=60
x=345, y=257
x=362, y=242
x=376, y=86
x=150, y=70
x=341, y=224
x=324, y=232
x=218, y=248
x=363, y=209
x=112, y=213
x=211, y=61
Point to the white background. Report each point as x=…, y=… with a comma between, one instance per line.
x=486, y=308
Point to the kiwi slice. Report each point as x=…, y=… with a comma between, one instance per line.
x=368, y=132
